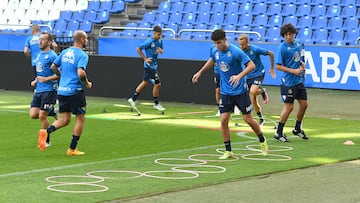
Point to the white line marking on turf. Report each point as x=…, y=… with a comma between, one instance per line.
x=108, y=161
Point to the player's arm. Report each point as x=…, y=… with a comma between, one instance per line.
x=83, y=77
x=142, y=55
x=249, y=66
x=208, y=65
x=271, y=71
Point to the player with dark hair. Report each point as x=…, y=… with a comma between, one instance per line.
x=44, y=98
x=234, y=65
x=71, y=95
x=290, y=60
x=152, y=46
x=255, y=78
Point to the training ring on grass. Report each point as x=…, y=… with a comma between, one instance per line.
x=137, y=174
x=235, y=158
x=102, y=188
x=50, y=179
x=194, y=174
x=181, y=168
x=158, y=161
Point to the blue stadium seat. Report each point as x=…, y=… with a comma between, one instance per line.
x=336, y=37
x=318, y=10
x=217, y=18
x=164, y=6
x=273, y=35
x=289, y=9
x=320, y=36
x=191, y=7
x=335, y=22
x=102, y=17
x=303, y=9
x=189, y=18
x=305, y=35
x=319, y=22
x=86, y=26
x=203, y=17
x=66, y=15
x=275, y=20
x=261, y=30
x=149, y=17
x=333, y=10
x=348, y=10
x=177, y=6
x=94, y=5
x=274, y=9
x=246, y=7
x=105, y=5
x=305, y=21
x=291, y=19
x=351, y=36
x=176, y=17
x=261, y=19
x=351, y=22
x=118, y=6
x=161, y=17
x=204, y=6
x=231, y=19
x=232, y=7
x=218, y=7
x=78, y=15
x=245, y=19
x=259, y=8
x=90, y=16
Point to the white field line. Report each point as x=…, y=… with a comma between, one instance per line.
x=20, y=173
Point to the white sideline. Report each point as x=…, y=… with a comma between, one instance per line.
x=20, y=173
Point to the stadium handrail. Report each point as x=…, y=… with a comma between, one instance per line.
x=227, y=31
x=102, y=29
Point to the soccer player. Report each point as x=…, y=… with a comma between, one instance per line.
x=44, y=98
x=255, y=78
x=71, y=95
x=290, y=60
x=152, y=46
x=234, y=65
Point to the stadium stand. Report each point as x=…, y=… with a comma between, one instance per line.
x=319, y=21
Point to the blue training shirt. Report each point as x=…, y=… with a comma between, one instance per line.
x=290, y=55
x=150, y=46
x=231, y=62
x=69, y=61
x=254, y=52
x=32, y=42
x=43, y=63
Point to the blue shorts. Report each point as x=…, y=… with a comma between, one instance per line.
x=227, y=103
x=289, y=93
x=217, y=80
x=76, y=104
x=44, y=100
x=256, y=81
x=151, y=75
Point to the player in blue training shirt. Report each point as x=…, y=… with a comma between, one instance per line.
x=72, y=63
x=255, y=78
x=234, y=65
x=290, y=60
x=44, y=98
x=153, y=47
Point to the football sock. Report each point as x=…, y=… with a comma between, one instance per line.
x=74, y=142
x=298, y=126
x=261, y=137
x=156, y=100
x=280, y=128
x=135, y=96
x=227, y=146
